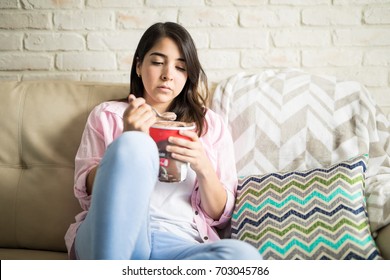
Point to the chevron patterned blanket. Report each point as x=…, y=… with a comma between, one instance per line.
x=290, y=120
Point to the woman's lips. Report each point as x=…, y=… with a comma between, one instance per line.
x=165, y=88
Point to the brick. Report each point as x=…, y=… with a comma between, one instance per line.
x=85, y=20
x=368, y=76
x=54, y=42
x=301, y=38
x=125, y=60
x=20, y=20
x=219, y=59
x=244, y=3
x=8, y=77
x=124, y=40
x=9, y=4
x=114, y=3
x=271, y=58
x=301, y=2
x=377, y=58
x=52, y=4
x=269, y=18
x=374, y=76
x=331, y=16
x=216, y=76
x=173, y=3
x=331, y=57
x=200, y=38
x=208, y=17
x=86, y=61
x=359, y=2
x=377, y=15
x=13, y=62
x=143, y=18
x=11, y=41
x=362, y=37
x=115, y=77
x=239, y=38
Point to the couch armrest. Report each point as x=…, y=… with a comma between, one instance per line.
x=383, y=242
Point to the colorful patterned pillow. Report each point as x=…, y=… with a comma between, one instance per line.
x=314, y=214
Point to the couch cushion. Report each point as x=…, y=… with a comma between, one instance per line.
x=313, y=214
x=22, y=254
x=42, y=123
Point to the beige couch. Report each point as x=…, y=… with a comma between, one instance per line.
x=41, y=124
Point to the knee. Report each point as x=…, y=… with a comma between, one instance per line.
x=231, y=249
x=134, y=146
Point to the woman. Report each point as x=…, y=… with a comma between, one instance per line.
x=128, y=213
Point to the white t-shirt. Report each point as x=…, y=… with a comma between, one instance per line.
x=171, y=210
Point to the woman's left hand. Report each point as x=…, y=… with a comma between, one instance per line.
x=190, y=151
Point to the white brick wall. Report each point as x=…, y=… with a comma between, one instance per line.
x=94, y=40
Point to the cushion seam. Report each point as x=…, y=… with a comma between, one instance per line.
x=20, y=151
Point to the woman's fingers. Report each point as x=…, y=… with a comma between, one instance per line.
x=138, y=116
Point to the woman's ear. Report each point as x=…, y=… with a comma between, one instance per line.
x=138, y=67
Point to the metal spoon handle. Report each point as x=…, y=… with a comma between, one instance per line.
x=169, y=116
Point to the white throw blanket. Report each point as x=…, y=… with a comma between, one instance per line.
x=292, y=120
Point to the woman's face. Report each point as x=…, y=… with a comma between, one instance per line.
x=163, y=72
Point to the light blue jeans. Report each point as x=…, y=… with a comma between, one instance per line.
x=117, y=224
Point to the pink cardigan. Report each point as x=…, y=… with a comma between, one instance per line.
x=105, y=124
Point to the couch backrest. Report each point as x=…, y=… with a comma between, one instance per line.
x=41, y=123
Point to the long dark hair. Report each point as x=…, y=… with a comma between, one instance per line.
x=190, y=104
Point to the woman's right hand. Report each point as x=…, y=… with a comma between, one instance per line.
x=138, y=116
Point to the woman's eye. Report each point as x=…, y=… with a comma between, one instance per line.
x=157, y=63
x=181, y=68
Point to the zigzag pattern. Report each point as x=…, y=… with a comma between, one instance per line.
x=273, y=116
x=315, y=214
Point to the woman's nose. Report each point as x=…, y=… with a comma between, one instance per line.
x=167, y=74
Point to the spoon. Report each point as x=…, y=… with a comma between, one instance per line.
x=168, y=116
